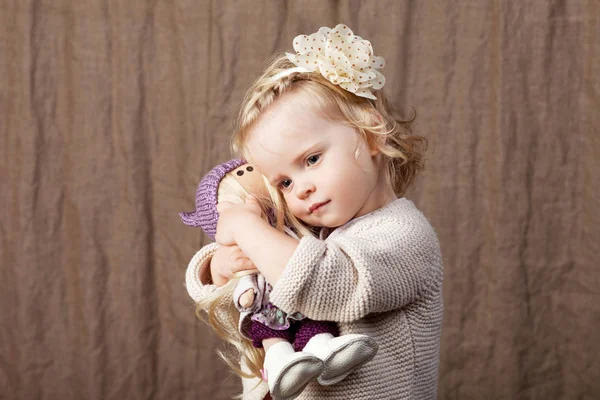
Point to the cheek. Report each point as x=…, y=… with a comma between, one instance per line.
x=295, y=206
x=291, y=202
x=341, y=174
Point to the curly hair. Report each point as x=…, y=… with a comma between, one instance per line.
x=374, y=120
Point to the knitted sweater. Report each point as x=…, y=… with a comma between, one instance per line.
x=379, y=275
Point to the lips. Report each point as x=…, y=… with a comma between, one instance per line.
x=316, y=206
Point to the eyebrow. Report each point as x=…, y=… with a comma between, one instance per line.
x=300, y=156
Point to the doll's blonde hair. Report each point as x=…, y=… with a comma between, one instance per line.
x=374, y=120
x=221, y=314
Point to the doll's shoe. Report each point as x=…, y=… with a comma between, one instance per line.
x=341, y=355
x=289, y=372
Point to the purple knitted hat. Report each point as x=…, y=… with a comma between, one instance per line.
x=206, y=215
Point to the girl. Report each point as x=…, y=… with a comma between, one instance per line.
x=319, y=128
x=316, y=352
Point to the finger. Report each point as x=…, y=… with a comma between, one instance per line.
x=242, y=264
x=220, y=280
x=239, y=253
x=236, y=261
x=245, y=264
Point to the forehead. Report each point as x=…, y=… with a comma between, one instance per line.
x=288, y=125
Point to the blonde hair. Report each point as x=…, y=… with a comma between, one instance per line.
x=375, y=120
x=284, y=218
x=221, y=314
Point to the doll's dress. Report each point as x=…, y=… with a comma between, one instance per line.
x=261, y=310
x=275, y=318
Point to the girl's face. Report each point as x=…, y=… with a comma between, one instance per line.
x=326, y=172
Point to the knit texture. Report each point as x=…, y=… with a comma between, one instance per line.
x=379, y=275
x=307, y=329
x=259, y=332
x=205, y=215
x=199, y=266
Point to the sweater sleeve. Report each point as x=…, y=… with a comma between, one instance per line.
x=372, y=267
x=198, y=273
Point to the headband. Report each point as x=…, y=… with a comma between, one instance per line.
x=341, y=57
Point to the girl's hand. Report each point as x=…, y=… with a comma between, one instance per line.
x=226, y=261
x=232, y=218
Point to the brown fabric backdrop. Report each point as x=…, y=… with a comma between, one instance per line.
x=111, y=111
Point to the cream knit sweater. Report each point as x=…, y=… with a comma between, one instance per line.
x=379, y=275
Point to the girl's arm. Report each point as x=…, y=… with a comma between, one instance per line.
x=269, y=249
x=375, y=265
x=198, y=280
x=380, y=267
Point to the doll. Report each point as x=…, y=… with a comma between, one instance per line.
x=306, y=349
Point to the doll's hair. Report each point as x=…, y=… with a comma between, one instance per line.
x=221, y=314
x=222, y=317
x=375, y=120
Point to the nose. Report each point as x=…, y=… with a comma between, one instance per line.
x=304, y=189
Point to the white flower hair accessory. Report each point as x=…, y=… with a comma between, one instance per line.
x=340, y=56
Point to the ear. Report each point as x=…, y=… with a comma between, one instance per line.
x=373, y=150
x=376, y=117
x=375, y=141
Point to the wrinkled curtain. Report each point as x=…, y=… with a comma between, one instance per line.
x=111, y=111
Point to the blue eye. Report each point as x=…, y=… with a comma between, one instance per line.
x=313, y=159
x=285, y=184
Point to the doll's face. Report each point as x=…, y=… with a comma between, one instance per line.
x=251, y=180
